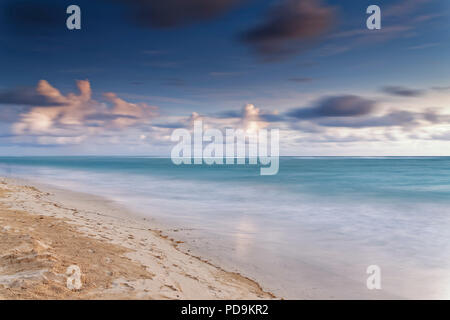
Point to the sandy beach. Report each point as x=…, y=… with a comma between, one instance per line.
x=120, y=256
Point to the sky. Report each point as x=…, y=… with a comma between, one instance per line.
x=139, y=69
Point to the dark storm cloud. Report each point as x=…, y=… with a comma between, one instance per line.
x=337, y=106
x=173, y=13
x=28, y=97
x=289, y=26
x=402, y=91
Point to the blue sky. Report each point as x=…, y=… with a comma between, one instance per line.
x=162, y=65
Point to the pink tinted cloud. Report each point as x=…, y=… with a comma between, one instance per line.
x=79, y=115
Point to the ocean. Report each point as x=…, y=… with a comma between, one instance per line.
x=311, y=231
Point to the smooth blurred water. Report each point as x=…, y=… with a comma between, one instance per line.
x=315, y=226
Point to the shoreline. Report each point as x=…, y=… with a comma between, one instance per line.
x=46, y=227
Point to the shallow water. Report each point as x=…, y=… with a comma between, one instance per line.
x=310, y=231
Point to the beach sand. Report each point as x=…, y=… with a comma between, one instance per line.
x=120, y=256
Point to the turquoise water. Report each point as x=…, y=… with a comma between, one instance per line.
x=321, y=220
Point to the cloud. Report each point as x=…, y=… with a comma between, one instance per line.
x=399, y=118
x=288, y=27
x=342, y=111
x=336, y=106
x=229, y=114
x=396, y=118
x=171, y=125
x=441, y=136
x=363, y=37
x=399, y=20
x=79, y=116
x=301, y=80
x=441, y=88
x=355, y=112
x=174, y=82
x=248, y=118
x=403, y=8
x=331, y=119
x=174, y=13
x=272, y=117
x=424, y=46
x=251, y=118
x=128, y=114
x=403, y=91
x=38, y=96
